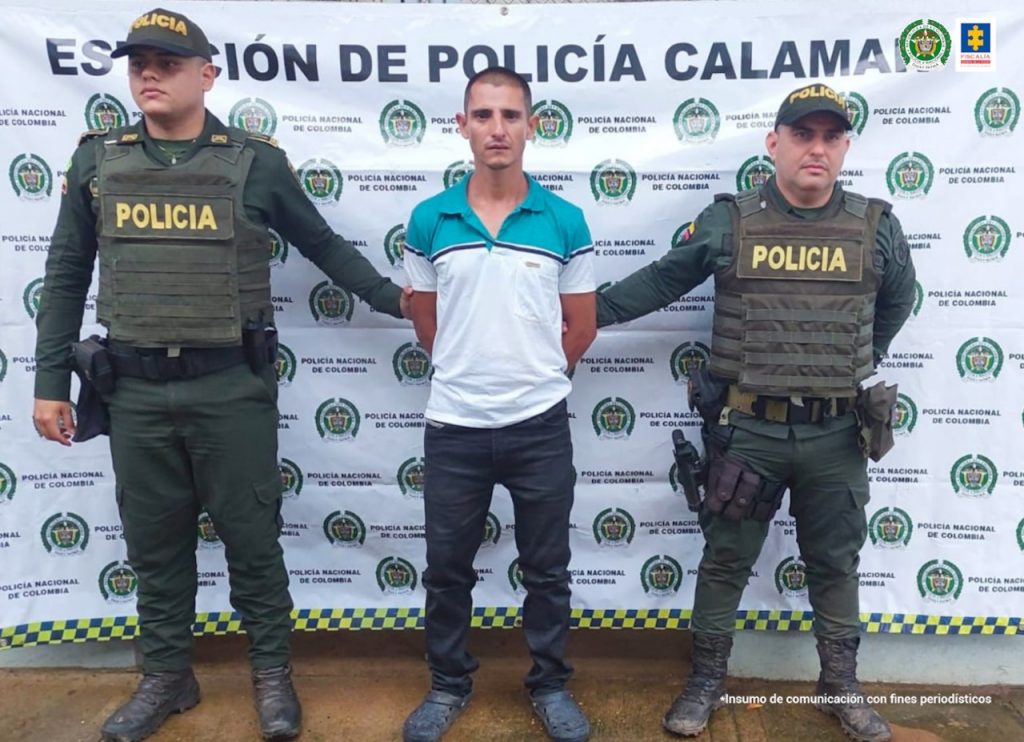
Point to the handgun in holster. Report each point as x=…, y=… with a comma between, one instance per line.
x=691, y=470
x=91, y=361
x=259, y=342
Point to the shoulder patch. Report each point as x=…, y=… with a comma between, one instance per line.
x=92, y=134
x=264, y=138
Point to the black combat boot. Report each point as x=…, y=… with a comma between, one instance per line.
x=690, y=711
x=838, y=679
x=276, y=702
x=159, y=695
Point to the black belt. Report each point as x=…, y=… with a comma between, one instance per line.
x=154, y=364
x=813, y=409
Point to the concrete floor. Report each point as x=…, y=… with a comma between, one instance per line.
x=360, y=686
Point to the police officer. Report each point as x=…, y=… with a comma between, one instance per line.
x=178, y=207
x=811, y=285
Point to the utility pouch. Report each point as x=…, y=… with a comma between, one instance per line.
x=736, y=492
x=874, y=410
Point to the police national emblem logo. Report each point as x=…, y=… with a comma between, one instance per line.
x=614, y=527
x=207, y=532
x=8, y=483
x=456, y=172
x=411, y=365
x=973, y=475
x=254, y=115
x=65, y=534
x=331, y=304
x=554, y=123
x=1020, y=534
x=997, y=112
x=321, y=180
x=979, y=359
x=687, y=359
x=31, y=178
x=291, y=478
x=515, y=577
x=613, y=182
x=661, y=576
x=925, y=45
x=986, y=239
x=3, y=365
x=118, y=582
x=278, y=249
x=492, y=531
x=904, y=415
x=857, y=111
x=337, y=419
x=613, y=417
x=396, y=576
x=410, y=476
x=284, y=365
x=394, y=246
x=940, y=581
x=890, y=528
x=31, y=297
x=696, y=121
x=791, y=577
x=754, y=172
x=402, y=123
x=910, y=175
x=918, y=299
x=344, y=529
x=104, y=111
x=673, y=479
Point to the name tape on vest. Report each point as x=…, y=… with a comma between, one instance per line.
x=168, y=217
x=840, y=260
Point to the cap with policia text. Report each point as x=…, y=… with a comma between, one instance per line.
x=171, y=32
x=812, y=99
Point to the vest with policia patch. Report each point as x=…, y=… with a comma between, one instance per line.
x=180, y=264
x=794, y=310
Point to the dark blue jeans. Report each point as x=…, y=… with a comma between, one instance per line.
x=533, y=459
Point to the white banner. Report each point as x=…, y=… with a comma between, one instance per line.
x=647, y=111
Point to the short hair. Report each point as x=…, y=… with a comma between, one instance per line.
x=499, y=76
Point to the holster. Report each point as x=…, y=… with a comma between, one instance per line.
x=260, y=345
x=706, y=394
x=737, y=492
x=691, y=470
x=874, y=413
x=91, y=361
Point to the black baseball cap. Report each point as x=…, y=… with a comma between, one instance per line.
x=812, y=99
x=171, y=32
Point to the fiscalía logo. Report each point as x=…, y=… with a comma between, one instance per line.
x=754, y=172
x=278, y=249
x=396, y=576
x=104, y=111
x=987, y=239
x=554, y=123
x=118, y=582
x=284, y=365
x=321, y=180
x=997, y=112
x=890, y=528
x=31, y=177
x=979, y=359
x=904, y=415
x=977, y=51
x=402, y=123
x=456, y=172
x=344, y=529
x=65, y=534
x=331, y=304
x=696, y=121
x=940, y=581
x=337, y=419
x=411, y=475
x=492, y=531
x=411, y=365
x=254, y=115
x=910, y=175
x=973, y=475
x=31, y=297
x=791, y=577
x=925, y=45
x=613, y=417
x=291, y=478
x=8, y=483
x=207, y=532
x=687, y=359
x=857, y=111
x=515, y=577
x=661, y=576
x=613, y=182
x=614, y=527
x=394, y=246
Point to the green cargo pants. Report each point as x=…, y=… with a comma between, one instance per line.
x=828, y=489
x=181, y=446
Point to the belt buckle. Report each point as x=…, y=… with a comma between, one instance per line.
x=799, y=414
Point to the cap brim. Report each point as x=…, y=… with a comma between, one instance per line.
x=790, y=120
x=180, y=51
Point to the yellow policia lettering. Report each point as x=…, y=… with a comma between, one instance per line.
x=163, y=21
x=802, y=258
x=171, y=216
x=818, y=91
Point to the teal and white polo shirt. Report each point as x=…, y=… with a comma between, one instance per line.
x=498, y=356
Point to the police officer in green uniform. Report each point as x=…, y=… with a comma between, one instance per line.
x=178, y=208
x=811, y=285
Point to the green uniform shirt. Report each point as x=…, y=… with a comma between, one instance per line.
x=709, y=249
x=272, y=197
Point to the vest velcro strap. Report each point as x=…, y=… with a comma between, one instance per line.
x=749, y=202
x=801, y=338
x=787, y=381
x=802, y=315
x=855, y=203
x=798, y=359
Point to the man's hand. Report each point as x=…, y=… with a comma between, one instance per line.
x=53, y=420
x=404, y=302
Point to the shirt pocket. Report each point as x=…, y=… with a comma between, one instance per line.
x=536, y=289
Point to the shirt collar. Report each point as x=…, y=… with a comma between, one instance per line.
x=456, y=199
x=772, y=189
x=214, y=133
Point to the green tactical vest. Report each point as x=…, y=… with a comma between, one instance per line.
x=180, y=264
x=794, y=310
